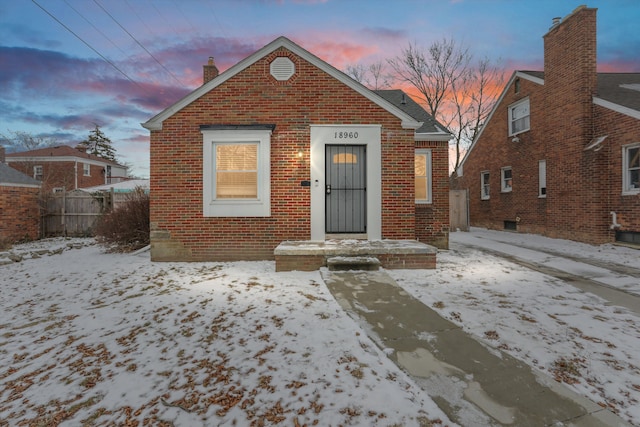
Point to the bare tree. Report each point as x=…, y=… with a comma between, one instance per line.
x=374, y=76
x=455, y=91
x=17, y=141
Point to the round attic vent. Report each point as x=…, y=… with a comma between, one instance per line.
x=282, y=68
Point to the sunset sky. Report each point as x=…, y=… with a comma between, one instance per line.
x=67, y=64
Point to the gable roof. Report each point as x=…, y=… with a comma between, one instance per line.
x=155, y=123
x=431, y=129
x=11, y=177
x=619, y=92
x=56, y=151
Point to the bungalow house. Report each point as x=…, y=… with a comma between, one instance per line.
x=19, y=205
x=66, y=167
x=559, y=154
x=284, y=147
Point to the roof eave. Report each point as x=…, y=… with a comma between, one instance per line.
x=433, y=136
x=617, y=107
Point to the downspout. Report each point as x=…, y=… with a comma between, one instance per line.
x=75, y=173
x=614, y=221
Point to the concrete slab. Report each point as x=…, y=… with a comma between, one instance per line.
x=473, y=384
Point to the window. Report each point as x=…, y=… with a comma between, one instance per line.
x=631, y=169
x=423, y=176
x=37, y=172
x=236, y=171
x=484, y=185
x=86, y=169
x=519, y=117
x=506, y=179
x=542, y=178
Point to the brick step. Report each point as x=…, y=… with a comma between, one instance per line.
x=344, y=263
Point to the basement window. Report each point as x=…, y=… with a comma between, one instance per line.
x=510, y=225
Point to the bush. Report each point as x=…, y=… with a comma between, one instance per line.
x=126, y=228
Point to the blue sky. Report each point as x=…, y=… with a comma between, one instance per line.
x=67, y=64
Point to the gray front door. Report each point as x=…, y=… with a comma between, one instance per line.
x=346, y=191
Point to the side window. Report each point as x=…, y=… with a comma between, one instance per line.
x=506, y=179
x=631, y=169
x=423, y=176
x=484, y=185
x=519, y=117
x=86, y=169
x=542, y=178
x=37, y=172
x=236, y=172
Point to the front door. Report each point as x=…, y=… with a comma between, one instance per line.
x=346, y=190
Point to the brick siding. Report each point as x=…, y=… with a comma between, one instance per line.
x=582, y=186
x=179, y=230
x=19, y=214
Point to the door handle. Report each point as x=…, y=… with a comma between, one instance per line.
x=328, y=189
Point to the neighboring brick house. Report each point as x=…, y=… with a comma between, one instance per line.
x=560, y=153
x=279, y=147
x=19, y=205
x=66, y=167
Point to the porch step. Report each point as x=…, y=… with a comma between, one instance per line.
x=343, y=263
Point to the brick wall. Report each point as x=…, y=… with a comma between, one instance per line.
x=432, y=220
x=19, y=214
x=179, y=230
x=582, y=186
x=62, y=174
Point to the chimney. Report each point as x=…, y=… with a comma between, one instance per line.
x=555, y=21
x=2, y=158
x=81, y=148
x=210, y=71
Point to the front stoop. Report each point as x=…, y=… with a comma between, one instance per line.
x=392, y=254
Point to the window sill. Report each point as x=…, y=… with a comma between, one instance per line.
x=631, y=192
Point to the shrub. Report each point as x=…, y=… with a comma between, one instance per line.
x=126, y=228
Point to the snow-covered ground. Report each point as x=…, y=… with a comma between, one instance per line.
x=102, y=338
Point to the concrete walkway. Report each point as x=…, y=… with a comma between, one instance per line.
x=472, y=384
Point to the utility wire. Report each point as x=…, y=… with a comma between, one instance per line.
x=139, y=44
x=95, y=28
x=88, y=45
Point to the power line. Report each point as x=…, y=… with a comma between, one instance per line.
x=88, y=45
x=139, y=44
x=95, y=28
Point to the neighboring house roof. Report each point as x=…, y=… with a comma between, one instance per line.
x=60, y=152
x=616, y=91
x=120, y=187
x=155, y=123
x=431, y=129
x=12, y=177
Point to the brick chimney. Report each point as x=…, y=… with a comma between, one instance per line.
x=210, y=71
x=570, y=69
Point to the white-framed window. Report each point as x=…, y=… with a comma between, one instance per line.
x=86, y=169
x=57, y=190
x=506, y=179
x=485, y=193
x=631, y=169
x=542, y=178
x=423, y=176
x=38, y=172
x=519, y=117
x=237, y=171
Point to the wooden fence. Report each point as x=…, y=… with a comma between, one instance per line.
x=459, y=210
x=75, y=213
